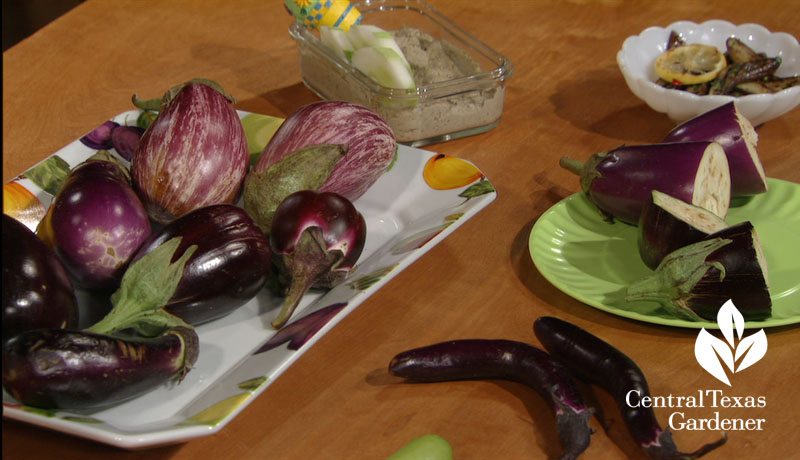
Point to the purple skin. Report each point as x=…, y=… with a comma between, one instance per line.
x=726, y=126
x=619, y=182
x=470, y=359
x=68, y=369
x=194, y=155
x=37, y=292
x=368, y=139
x=229, y=267
x=125, y=139
x=596, y=362
x=98, y=224
x=317, y=239
x=100, y=137
x=661, y=232
x=696, y=280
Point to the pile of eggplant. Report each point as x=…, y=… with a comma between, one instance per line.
x=572, y=353
x=186, y=234
x=678, y=192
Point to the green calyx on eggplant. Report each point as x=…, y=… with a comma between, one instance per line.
x=619, y=182
x=368, y=139
x=230, y=266
x=96, y=223
x=133, y=349
x=37, y=292
x=694, y=281
x=193, y=155
x=726, y=126
x=69, y=369
x=316, y=239
x=307, y=168
x=667, y=223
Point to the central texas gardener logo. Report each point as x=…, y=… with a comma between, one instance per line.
x=735, y=352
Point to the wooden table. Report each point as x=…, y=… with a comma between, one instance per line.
x=566, y=96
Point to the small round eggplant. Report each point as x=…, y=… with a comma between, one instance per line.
x=316, y=239
x=230, y=265
x=125, y=139
x=667, y=223
x=726, y=126
x=97, y=223
x=619, y=182
x=68, y=369
x=696, y=280
x=194, y=155
x=37, y=292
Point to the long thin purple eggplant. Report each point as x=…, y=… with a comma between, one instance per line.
x=470, y=359
x=68, y=369
x=696, y=280
x=726, y=126
x=599, y=363
x=620, y=181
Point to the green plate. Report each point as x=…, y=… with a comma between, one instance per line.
x=594, y=261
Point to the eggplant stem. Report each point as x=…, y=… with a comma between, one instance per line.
x=318, y=261
x=574, y=166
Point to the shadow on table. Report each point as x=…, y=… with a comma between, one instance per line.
x=621, y=115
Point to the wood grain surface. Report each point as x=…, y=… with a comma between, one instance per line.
x=566, y=96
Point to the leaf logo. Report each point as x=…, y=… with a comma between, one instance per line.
x=735, y=352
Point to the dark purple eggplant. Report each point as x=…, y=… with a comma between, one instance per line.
x=96, y=223
x=597, y=362
x=125, y=139
x=619, y=182
x=316, y=239
x=68, y=369
x=696, y=280
x=726, y=126
x=37, y=292
x=100, y=137
x=667, y=224
x=470, y=359
x=230, y=266
x=194, y=155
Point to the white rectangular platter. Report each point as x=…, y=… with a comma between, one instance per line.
x=240, y=354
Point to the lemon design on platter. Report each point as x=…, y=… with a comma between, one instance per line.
x=690, y=64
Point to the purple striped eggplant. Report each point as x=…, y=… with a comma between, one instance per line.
x=696, y=280
x=667, y=223
x=68, y=369
x=726, y=126
x=597, y=362
x=316, y=239
x=469, y=359
x=229, y=267
x=194, y=154
x=367, y=138
x=96, y=223
x=619, y=182
x=37, y=292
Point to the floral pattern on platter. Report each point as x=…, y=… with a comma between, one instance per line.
x=240, y=354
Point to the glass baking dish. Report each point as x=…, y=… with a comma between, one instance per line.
x=433, y=112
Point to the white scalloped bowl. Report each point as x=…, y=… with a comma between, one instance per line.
x=639, y=52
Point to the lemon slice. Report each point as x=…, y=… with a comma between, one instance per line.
x=690, y=64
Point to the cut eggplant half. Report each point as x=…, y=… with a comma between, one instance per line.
x=726, y=126
x=667, y=223
x=696, y=280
